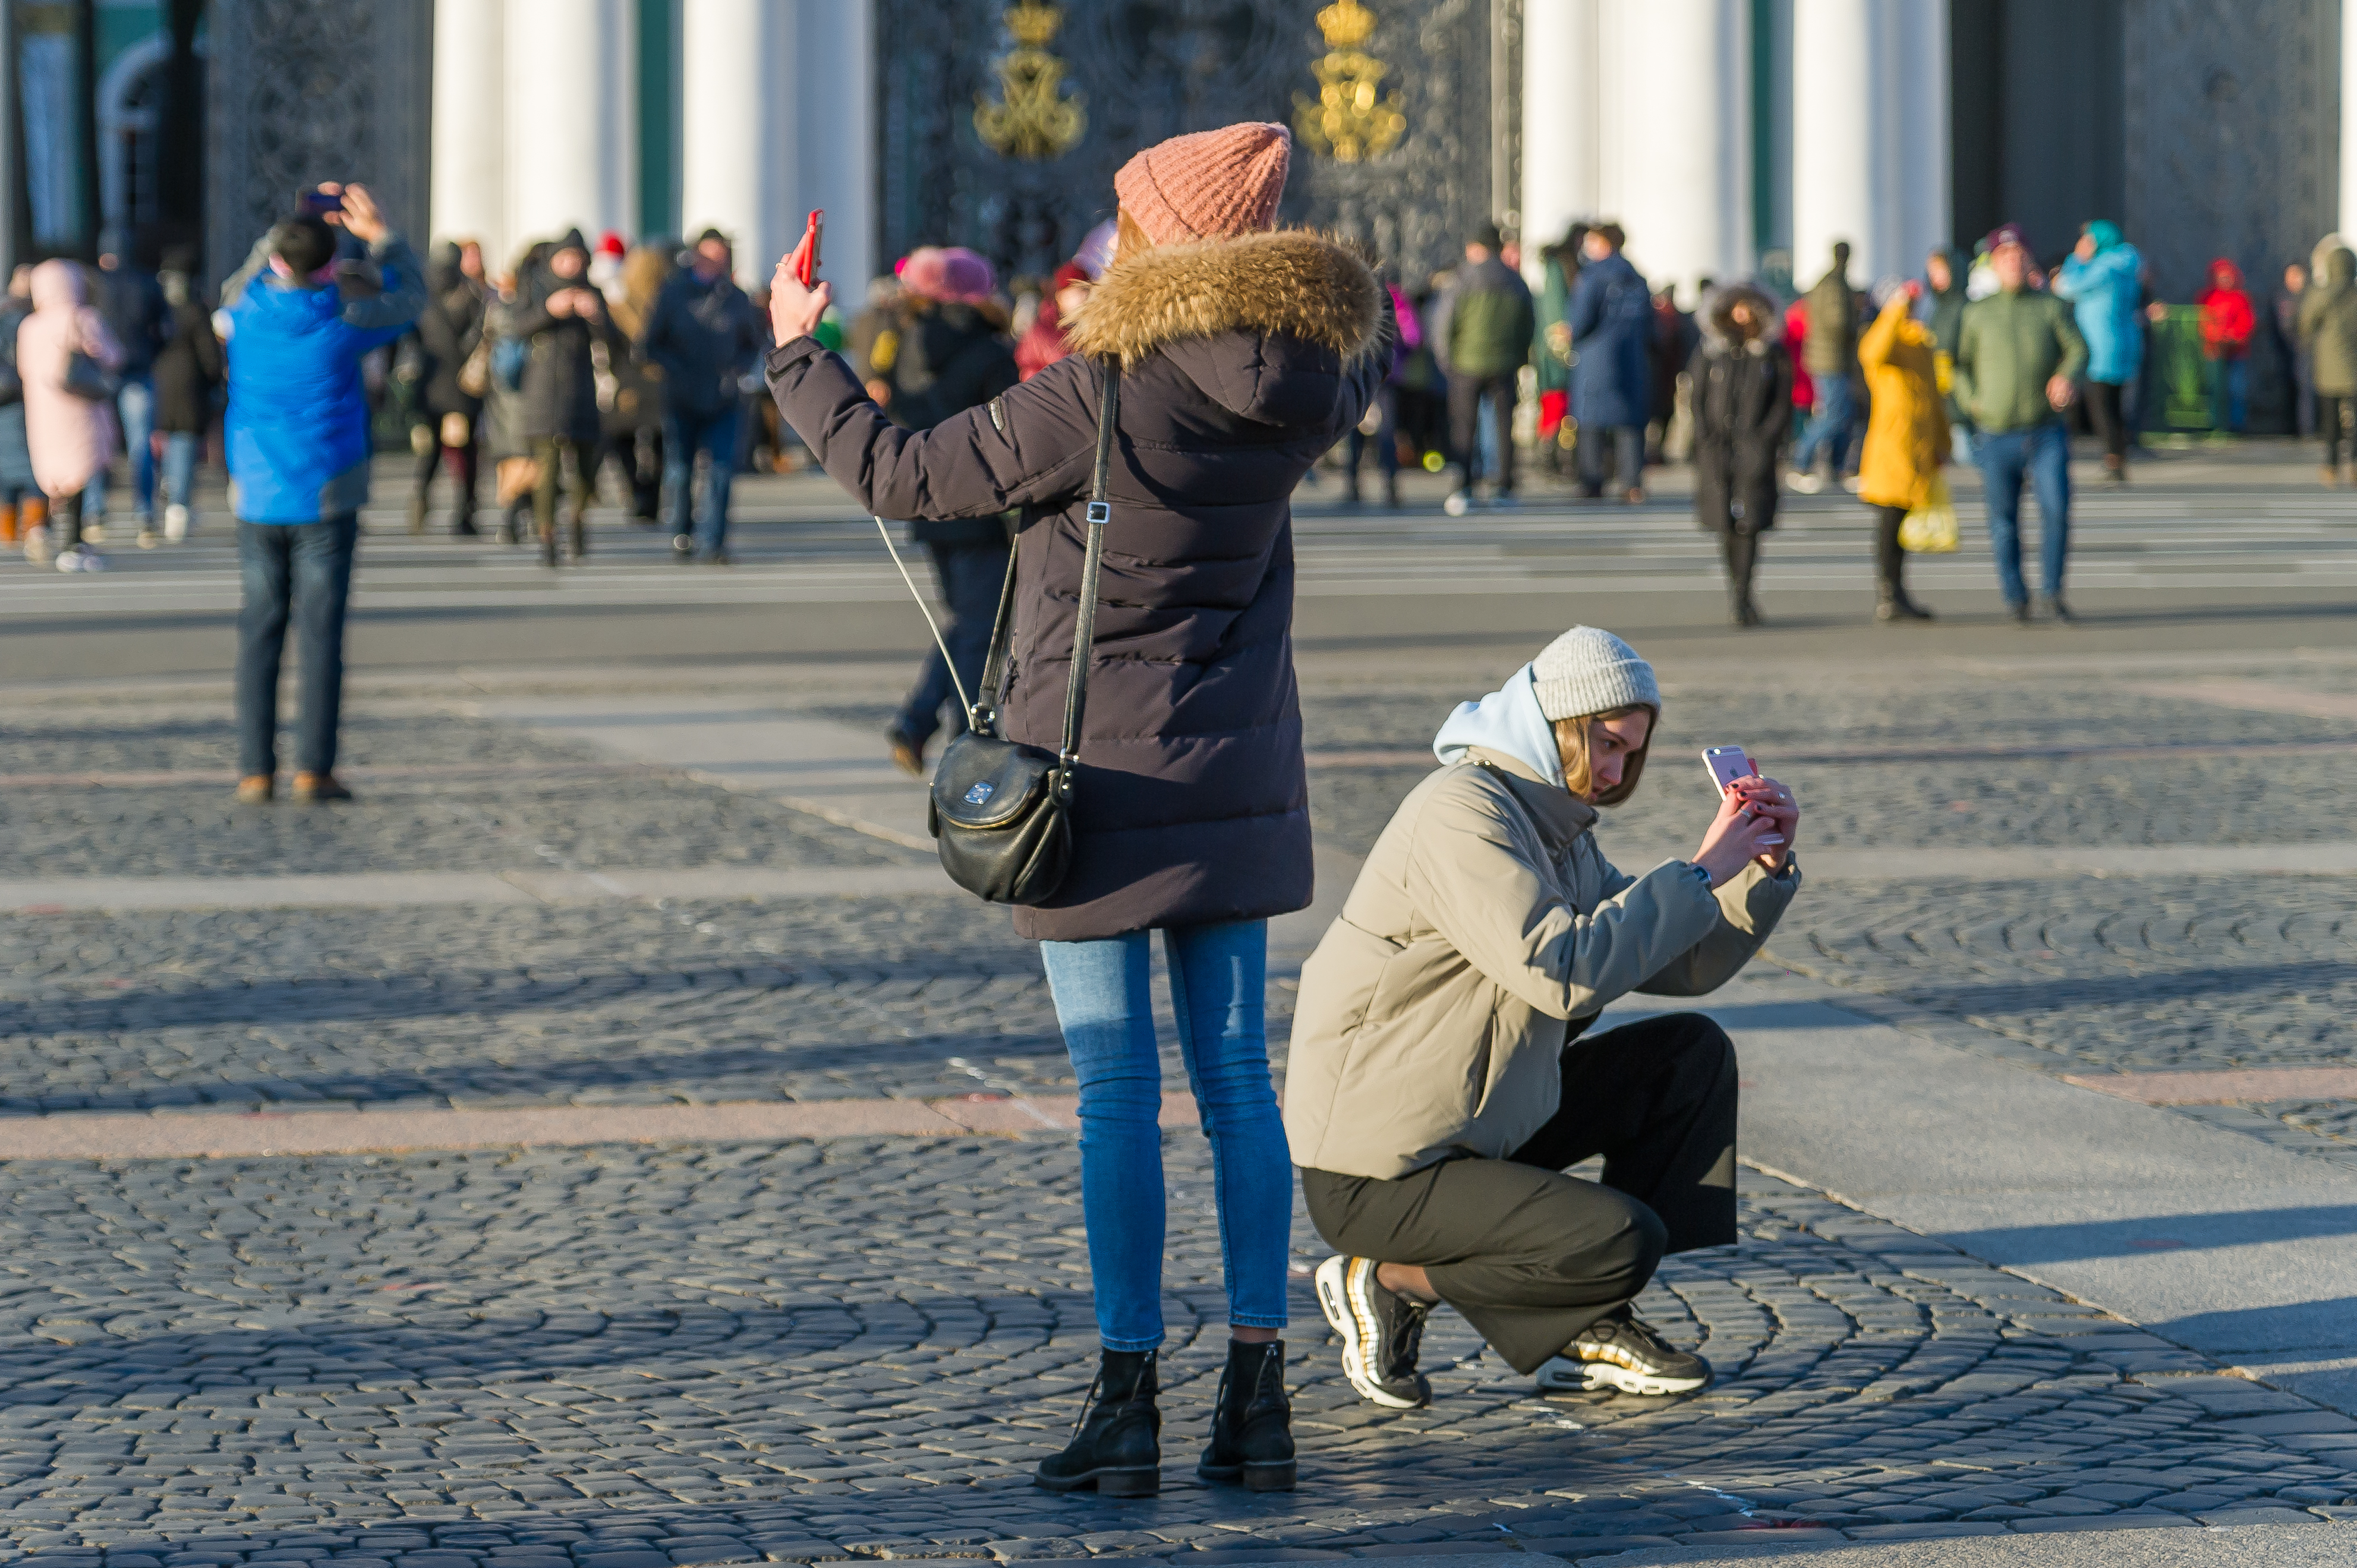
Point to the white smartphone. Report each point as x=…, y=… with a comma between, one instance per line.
x=1727, y=764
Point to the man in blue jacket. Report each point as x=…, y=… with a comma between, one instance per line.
x=297, y=438
x=1611, y=324
x=703, y=334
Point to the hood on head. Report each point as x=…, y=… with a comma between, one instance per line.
x=1508, y=721
x=2234, y=278
x=1717, y=312
x=58, y=285
x=1290, y=284
x=2105, y=234
x=2340, y=265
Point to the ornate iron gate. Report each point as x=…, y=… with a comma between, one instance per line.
x=1002, y=123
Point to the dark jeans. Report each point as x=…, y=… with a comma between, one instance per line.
x=1531, y=1256
x=1466, y=395
x=714, y=435
x=1386, y=440
x=1628, y=447
x=2111, y=422
x=1834, y=421
x=971, y=577
x=2230, y=387
x=305, y=570
x=2042, y=453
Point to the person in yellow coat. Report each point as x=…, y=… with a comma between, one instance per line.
x=1906, y=437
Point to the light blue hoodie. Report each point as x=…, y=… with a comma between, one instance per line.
x=1508, y=721
x=2105, y=294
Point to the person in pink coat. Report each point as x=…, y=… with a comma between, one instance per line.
x=72, y=438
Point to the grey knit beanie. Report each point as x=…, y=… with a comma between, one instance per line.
x=1590, y=671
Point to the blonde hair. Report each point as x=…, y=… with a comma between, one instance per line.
x=1571, y=739
x=1129, y=238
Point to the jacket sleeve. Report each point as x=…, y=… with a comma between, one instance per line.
x=1959, y=383
x=1031, y=446
x=1749, y=908
x=388, y=315
x=1587, y=306
x=1437, y=328
x=1778, y=422
x=1467, y=876
x=2075, y=347
x=2311, y=311
x=1874, y=348
x=256, y=259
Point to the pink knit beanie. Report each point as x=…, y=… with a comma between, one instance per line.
x=1212, y=184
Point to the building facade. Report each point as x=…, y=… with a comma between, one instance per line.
x=1729, y=136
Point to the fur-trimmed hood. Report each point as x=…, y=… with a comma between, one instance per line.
x=1718, y=318
x=1304, y=307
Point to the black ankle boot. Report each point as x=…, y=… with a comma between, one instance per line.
x=1252, y=1426
x=1116, y=1444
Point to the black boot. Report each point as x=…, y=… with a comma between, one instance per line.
x=1116, y=1444
x=1251, y=1425
x=1742, y=552
x=580, y=539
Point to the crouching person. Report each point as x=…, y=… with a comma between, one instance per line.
x=1441, y=1078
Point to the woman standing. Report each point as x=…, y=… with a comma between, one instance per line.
x=1743, y=411
x=2328, y=326
x=1906, y=437
x=451, y=329
x=2103, y=279
x=190, y=370
x=72, y=435
x=1246, y=354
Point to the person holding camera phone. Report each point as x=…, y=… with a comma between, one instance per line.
x=1441, y=1078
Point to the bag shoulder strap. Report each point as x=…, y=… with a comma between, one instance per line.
x=1076, y=692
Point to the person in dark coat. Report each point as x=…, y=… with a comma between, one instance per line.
x=1743, y=411
x=952, y=354
x=1247, y=354
x=190, y=370
x=448, y=332
x=1611, y=326
x=704, y=335
x=1671, y=345
x=563, y=316
x=132, y=300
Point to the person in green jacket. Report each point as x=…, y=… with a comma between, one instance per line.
x=1481, y=332
x=2018, y=357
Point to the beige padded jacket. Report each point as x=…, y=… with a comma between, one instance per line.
x=1484, y=926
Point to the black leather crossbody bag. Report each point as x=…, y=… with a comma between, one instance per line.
x=1001, y=813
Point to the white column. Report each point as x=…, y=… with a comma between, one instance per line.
x=2348, y=117
x=572, y=118
x=741, y=72
x=836, y=135
x=1559, y=150
x=1684, y=160
x=1869, y=134
x=468, y=195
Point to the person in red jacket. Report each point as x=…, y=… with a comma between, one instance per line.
x=2227, y=323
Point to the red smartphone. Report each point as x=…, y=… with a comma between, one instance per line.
x=805, y=256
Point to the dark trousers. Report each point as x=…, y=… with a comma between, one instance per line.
x=461, y=463
x=2332, y=419
x=65, y=522
x=1889, y=561
x=1466, y=395
x=639, y=454
x=971, y=577
x=2111, y=423
x=301, y=571
x=555, y=458
x=1627, y=443
x=1531, y=1256
x=684, y=433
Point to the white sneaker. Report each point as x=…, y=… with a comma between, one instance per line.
x=1804, y=483
x=80, y=558
x=1458, y=503
x=177, y=523
x=1851, y=484
x=37, y=543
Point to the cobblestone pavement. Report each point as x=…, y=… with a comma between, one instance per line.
x=627, y=1358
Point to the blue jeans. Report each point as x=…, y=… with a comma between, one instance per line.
x=2043, y=453
x=1834, y=422
x=136, y=406
x=181, y=449
x=970, y=578
x=2230, y=394
x=715, y=434
x=303, y=571
x=1218, y=976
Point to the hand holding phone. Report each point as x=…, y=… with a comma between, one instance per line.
x=1732, y=769
x=804, y=260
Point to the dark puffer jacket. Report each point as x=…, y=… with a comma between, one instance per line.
x=1243, y=361
x=1742, y=409
x=560, y=380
